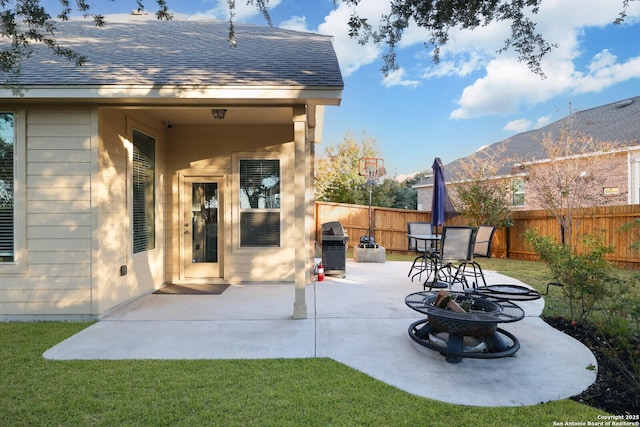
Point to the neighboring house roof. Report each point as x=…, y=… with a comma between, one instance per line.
x=185, y=54
x=617, y=123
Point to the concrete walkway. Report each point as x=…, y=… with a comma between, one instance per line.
x=361, y=321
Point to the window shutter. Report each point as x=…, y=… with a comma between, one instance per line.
x=143, y=192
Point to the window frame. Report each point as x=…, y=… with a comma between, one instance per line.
x=151, y=242
x=237, y=159
x=635, y=182
x=518, y=189
x=18, y=264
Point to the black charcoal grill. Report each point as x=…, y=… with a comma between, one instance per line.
x=334, y=246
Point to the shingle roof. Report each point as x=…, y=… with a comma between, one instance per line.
x=617, y=123
x=155, y=52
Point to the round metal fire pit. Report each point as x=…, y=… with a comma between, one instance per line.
x=472, y=323
x=450, y=332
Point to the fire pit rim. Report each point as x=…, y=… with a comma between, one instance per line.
x=470, y=316
x=423, y=302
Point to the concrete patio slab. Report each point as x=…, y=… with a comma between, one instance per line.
x=360, y=320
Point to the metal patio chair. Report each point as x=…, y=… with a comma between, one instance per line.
x=471, y=270
x=420, y=247
x=456, y=249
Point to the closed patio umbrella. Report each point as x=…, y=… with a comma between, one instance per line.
x=441, y=207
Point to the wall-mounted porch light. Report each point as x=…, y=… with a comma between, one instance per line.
x=219, y=113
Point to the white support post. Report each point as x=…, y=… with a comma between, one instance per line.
x=300, y=212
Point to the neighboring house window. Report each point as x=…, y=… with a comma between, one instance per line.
x=259, y=203
x=518, y=192
x=144, y=232
x=7, y=196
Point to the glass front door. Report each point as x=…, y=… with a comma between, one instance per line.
x=202, y=233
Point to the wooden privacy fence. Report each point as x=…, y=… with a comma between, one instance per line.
x=390, y=228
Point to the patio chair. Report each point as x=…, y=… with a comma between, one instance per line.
x=484, y=239
x=471, y=270
x=456, y=249
x=420, y=263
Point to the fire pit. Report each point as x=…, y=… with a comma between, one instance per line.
x=468, y=328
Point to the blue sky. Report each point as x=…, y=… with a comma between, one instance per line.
x=473, y=97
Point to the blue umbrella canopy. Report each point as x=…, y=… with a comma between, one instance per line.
x=441, y=207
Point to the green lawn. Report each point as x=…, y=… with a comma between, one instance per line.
x=298, y=392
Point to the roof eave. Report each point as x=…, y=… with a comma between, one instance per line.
x=177, y=94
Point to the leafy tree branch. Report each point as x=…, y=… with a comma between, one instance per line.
x=24, y=22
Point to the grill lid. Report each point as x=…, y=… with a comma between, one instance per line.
x=333, y=230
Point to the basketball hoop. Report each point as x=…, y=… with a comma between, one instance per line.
x=371, y=168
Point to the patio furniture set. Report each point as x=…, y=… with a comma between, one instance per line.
x=449, y=258
x=464, y=323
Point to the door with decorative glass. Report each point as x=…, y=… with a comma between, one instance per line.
x=202, y=234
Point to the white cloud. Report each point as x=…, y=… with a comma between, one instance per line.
x=404, y=177
x=602, y=61
x=461, y=66
x=523, y=125
x=508, y=84
x=297, y=23
x=542, y=121
x=243, y=11
x=517, y=126
x=351, y=54
x=397, y=78
x=605, y=71
x=505, y=84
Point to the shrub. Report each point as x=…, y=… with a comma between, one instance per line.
x=587, y=276
x=484, y=202
x=592, y=286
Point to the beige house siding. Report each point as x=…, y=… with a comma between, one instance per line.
x=112, y=192
x=77, y=194
x=55, y=277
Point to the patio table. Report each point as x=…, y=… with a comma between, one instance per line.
x=430, y=241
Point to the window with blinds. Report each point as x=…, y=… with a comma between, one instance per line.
x=259, y=203
x=7, y=225
x=143, y=181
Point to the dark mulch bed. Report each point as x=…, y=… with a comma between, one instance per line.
x=617, y=387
